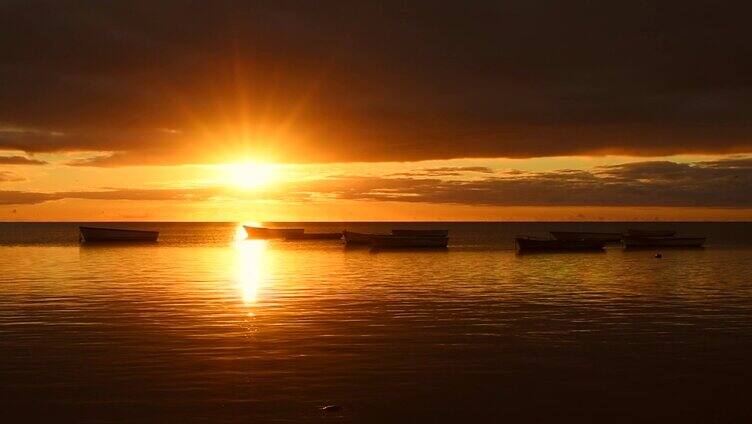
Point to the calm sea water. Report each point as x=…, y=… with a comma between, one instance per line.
x=203, y=327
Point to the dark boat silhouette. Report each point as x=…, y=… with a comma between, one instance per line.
x=383, y=241
x=122, y=235
x=418, y=241
x=269, y=233
x=650, y=233
x=531, y=244
x=582, y=235
x=353, y=238
x=313, y=236
x=427, y=233
x=667, y=242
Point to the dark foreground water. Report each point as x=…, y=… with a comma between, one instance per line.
x=205, y=328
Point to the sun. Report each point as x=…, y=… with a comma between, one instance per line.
x=250, y=175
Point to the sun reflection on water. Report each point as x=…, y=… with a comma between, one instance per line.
x=251, y=268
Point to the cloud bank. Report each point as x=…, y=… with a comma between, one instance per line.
x=20, y=160
x=193, y=82
x=6, y=176
x=723, y=183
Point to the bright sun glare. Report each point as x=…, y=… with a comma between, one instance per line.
x=250, y=175
x=252, y=270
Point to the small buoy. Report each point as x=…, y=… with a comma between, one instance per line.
x=658, y=255
x=331, y=408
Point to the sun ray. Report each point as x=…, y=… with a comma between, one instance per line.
x=249, y=175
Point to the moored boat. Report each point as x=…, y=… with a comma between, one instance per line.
x=424, y=233
x=650, y=233
x=529, y=244
x=102, y=235
x=685, y=242
x=313, y=236
x=267, y=233
x=395, y=241
x=353, y=238
x=581, y=235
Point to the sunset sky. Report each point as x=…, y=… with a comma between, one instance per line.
x=283, y=111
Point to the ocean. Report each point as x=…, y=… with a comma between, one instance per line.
x=205, y=326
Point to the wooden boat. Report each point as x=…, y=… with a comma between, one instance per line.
x=394, y=241
x=685, y=242
x=650, y=233
x=267, y=233
x=313, y=236
x=426, y=233
x=529, y=244
x=100, y=235
x=578, y=235
x=352, y=238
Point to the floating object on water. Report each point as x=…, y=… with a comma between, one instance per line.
x=268, y=233
x=685, y=242
x=391, y=241
x=394, y=241
x=658, y=255
x=531, y=244
x=314, y=236
x=424, y=233
x=581, y=235
x=650, y=233
x=331, y=408
x=115, y=235
x=353, y=238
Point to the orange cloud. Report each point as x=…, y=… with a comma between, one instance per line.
x=723, y=183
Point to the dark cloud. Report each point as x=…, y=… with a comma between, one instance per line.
x=482, y=169
x=176, y=82
x=6, y=176
x=188, y=194
x=445, y=171
x=730, y=163
x=20, y=160
x=8, y=197
x=723, y=183
x=657, y=183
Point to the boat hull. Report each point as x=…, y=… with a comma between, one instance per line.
x=533, y=245
x=421, y=233
x=116, y=235
x=314, y=236
x=576, y=235
x=650, y=233
x=269, y=233
x=666, y=242
x=352, y=238
x=393, y=241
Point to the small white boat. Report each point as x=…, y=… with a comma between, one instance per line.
x=99, y=235
x=582, y=235
x=685, y=242
x=268, y=233
x=394, y=241
x=424, y=233
x=650, y=233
